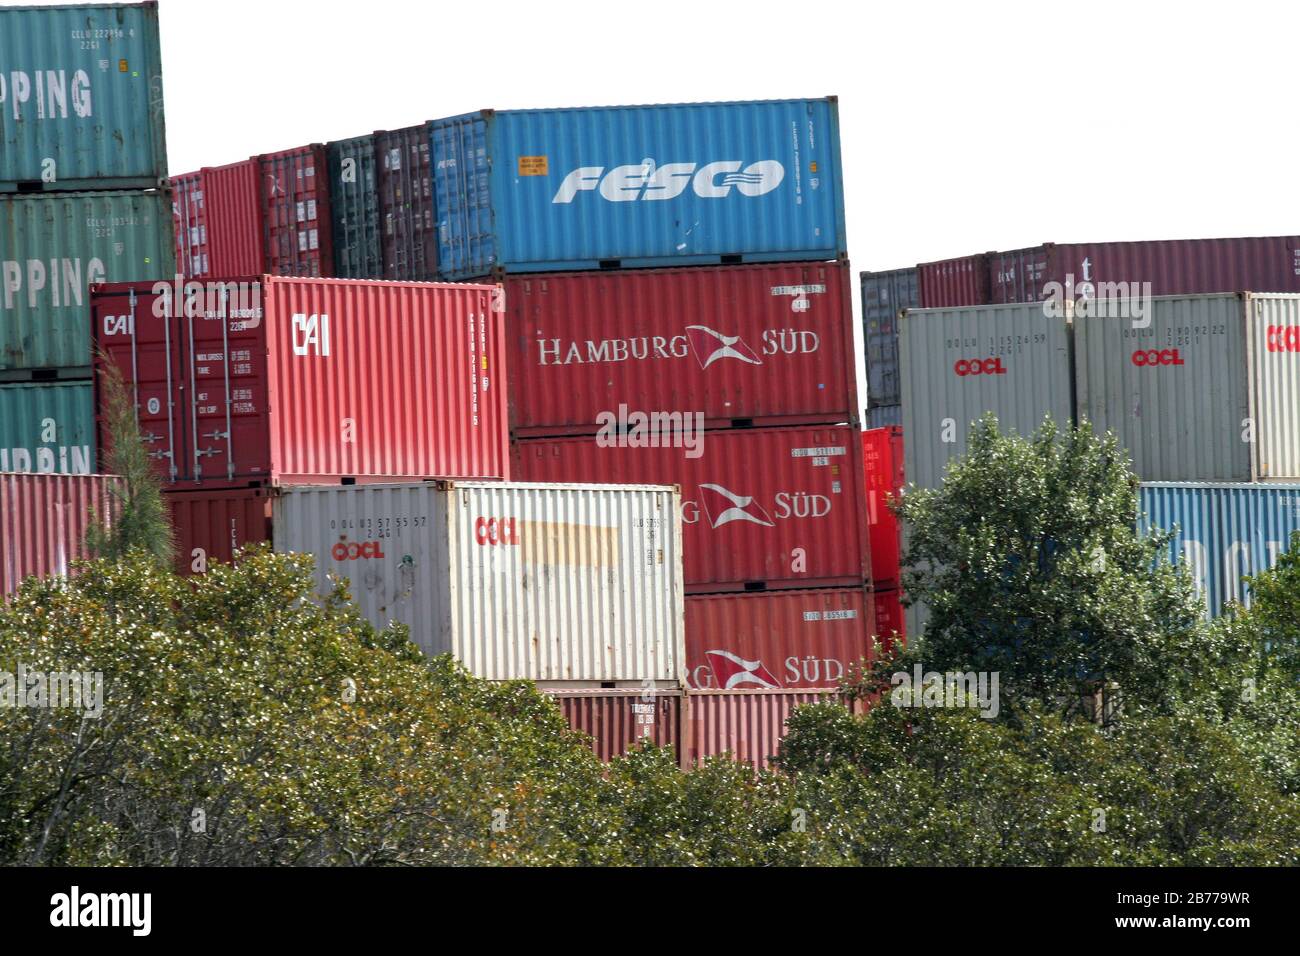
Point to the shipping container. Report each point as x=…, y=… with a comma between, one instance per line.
x=81, y=100
x=884, y=296
x=777, y=639
x=761, y=507
x=409, y=230
x=1223, y=533
x=891, y=621
x=579, y=583
x=218, y=220
x=882, y=460
x=747, y=724
x=618, y=721
x=1011, y=360
x=769, y=344
x=954, y=283
x=296, y=229
x=47, y=427
x=1197, y=388
x=883, y=416
x=356, y=225
x=574, y=189
x=210, y=526
x=311, y=380
x=1172, y=267
x=43, y=522
x=53, y=247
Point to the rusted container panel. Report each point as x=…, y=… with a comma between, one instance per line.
x=211, y=525
x=882, y=460
x=619, y=720
x=952, y=283
x=748, y=724
x=296, y=224
x=408, y=229
x=43, y=522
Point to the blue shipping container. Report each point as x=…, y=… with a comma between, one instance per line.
x=1225, y=532
x=81, y=102
x=884, y=296
x=635, y=186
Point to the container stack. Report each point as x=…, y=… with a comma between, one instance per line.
x=83, y=160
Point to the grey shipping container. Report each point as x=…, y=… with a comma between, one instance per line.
x=53, y=246
x=882, y=416
x=884, y=296
x=354, y=206
x=47, y=427
x=1198, y=388
x=409, y=239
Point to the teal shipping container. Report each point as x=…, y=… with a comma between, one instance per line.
x=47, y=427
x=53, y=246
x=354, y=209
x=81, y=99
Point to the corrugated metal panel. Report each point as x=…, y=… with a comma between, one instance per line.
x=883, y=416
x=777, y=639
x=409, y=235
x=890, y=619
x=517, y=581
x=959, y=363
x=954, y=283
x=52, y=247
x=884, y=296
x=552, y=190
x=1224, y=532
x=190, y=223
x=47, y=427
x=768, y=343
x=82, y=86
x=296, y=212
x=747, y=724
x=325, y=379
x=1274, y=329
x=618, y=720
x=356, y=226
x=43, y=522
x=232, y=196
x=882, y=459
x=211, y=525
x=761, y=507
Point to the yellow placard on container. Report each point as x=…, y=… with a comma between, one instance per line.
x=533, y=166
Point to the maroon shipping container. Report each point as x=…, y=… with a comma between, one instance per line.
x=890, y=615
x=618, y=720
x=410, y=237
x=269, y=380
x=296, y=212
x=219, y=220
x=43, y=522
x=770, y=640
x=211, y=525
x=770, y=344
x=882, y=465
x=954, y=282
x=761, y=507
x=1173, y=267
x=748, y=724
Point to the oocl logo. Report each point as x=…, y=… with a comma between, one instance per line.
x=356, y=550
x=493, y=531
x=1283, y=338
x=1147, y=357
x=646, y=181
x=975, y=366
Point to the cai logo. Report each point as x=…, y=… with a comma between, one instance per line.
x=709, y=346
x=311, y=333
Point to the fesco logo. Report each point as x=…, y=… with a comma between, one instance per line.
x=646, y=181
x=495, y=531
x=992, y=366
x=1148, y=357
x=1283, y=338
x=354, y=550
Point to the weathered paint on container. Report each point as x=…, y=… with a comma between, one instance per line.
x=762, y=508
x=954, y=283
x=296, y=227
x=81, y=101
x=765, y=344
x=218, y=220
x=356, y=225
x=53, y=246
x=1199, y=388
x=313, y=380
x=517, y=581
x=43, y=522
x=211, y=526
x=617, y=721
x=1223, y=533
x=749, y=724
x=884, y=296
x=777, y=639
x=409, y=229
x=957, y=364
x=47, y=427
x=882, y=461
x=573, y=189
x=883, y=416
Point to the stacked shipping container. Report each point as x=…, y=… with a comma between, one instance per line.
x=43, y=522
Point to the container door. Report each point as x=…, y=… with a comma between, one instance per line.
x=296, y=215
x=406, y=200
x=462, y=196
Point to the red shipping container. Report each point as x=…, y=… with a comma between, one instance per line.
x=747, y=724
x=890, y=616
x=1173, y=267
x=310, y=380
x=776, y=639
x=882, y=465
x=954, y=282
x=739, y=344
x=296, y=212
x=761, y=507
x=618, y=720
x=43, y=522
x=219, y=220
x=211, y=525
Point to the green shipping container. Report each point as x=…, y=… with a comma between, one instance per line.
x=52, y=247
x=354, y=206
x=47, y=427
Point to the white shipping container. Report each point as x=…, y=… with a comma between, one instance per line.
x=564, y=584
